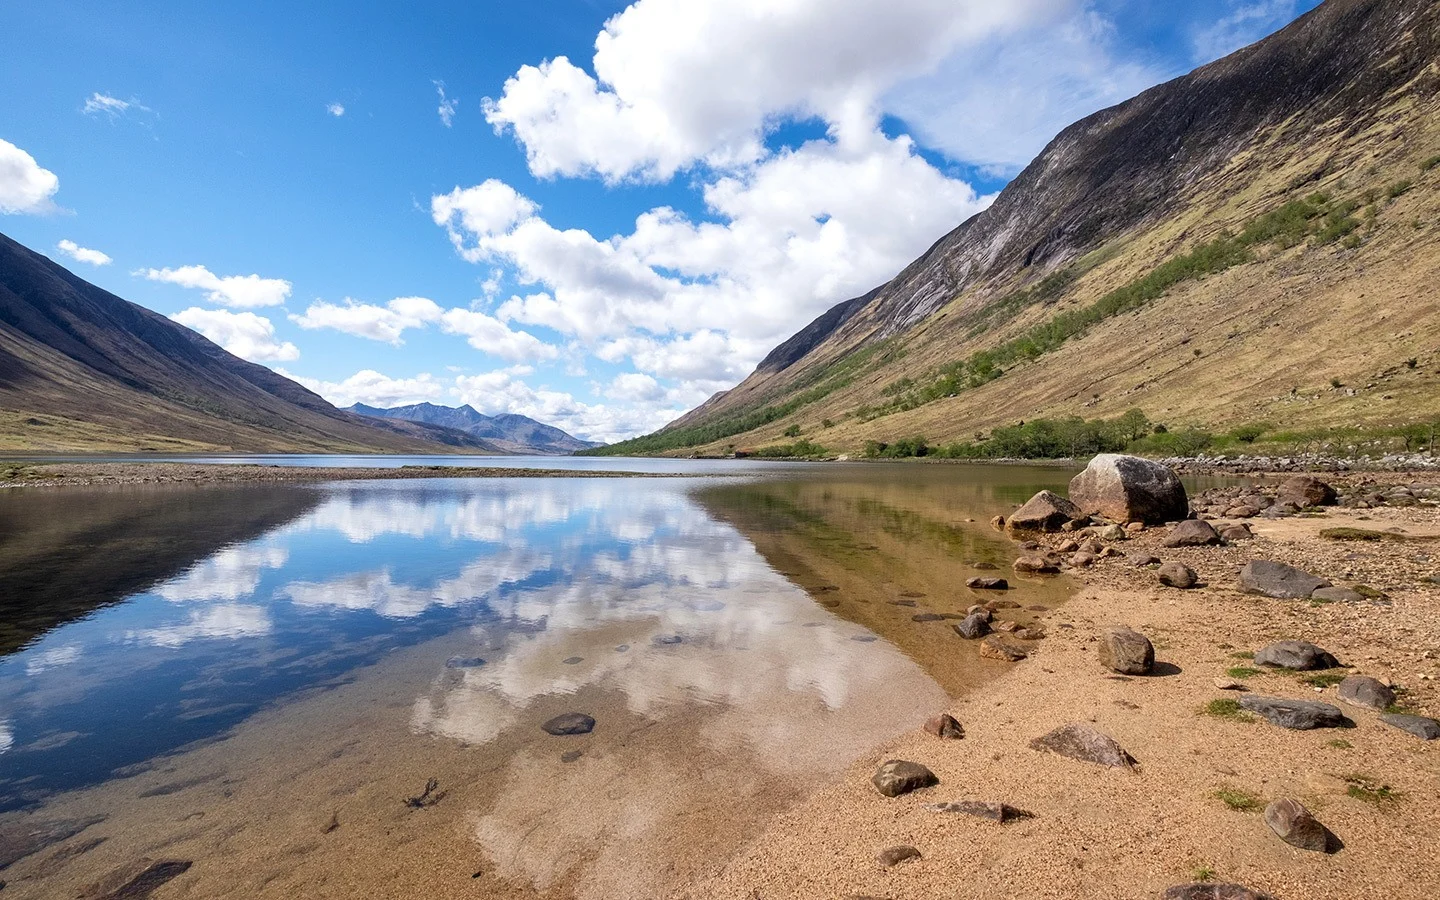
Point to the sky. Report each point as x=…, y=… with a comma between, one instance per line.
x=589, y=212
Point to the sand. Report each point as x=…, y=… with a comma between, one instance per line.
x=107, y=473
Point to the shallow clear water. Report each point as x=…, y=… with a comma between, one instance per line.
x=652, y=465
x=176, y=652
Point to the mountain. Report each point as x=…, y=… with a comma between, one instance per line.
x=1257, y=241
x=83, y=370
x=514, y=433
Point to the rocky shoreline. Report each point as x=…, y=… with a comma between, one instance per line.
x=1240, y=717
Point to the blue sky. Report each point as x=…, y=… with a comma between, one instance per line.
x=612, y=210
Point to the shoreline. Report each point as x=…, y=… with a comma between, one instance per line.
x=74, y=474
x=1096, y=832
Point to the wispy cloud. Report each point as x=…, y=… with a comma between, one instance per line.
x=112, y=108
x=83, y=254
x=1246, y=23
x=336, y=109
x=448, y=105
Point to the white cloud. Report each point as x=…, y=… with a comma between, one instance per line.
x=242, y=291
x=24, y=186
x=680, y=81
x=335, y=109
x=83, y=254
x=98, y=104
x=486, y=210
x=1246, y=23
x=448, y=105
x=245, y=334
x=231, y=621
x=378, y=323
x=232, y=574
x=373, y=389
x=489, y=334
x=503, y=391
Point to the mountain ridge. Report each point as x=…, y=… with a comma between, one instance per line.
x=1342, y=102
x=511, y=431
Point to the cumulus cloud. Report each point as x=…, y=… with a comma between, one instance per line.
x=448, y=105
x=378, y=323
x=335, y=109
x=245, y=334
x=24, y=186
x=83, y=254
x=504, y=391
x=241, y=291
x=489, y=334
x=373, y=389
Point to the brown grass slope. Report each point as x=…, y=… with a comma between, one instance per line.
x=1343, y=101
x=84, y=370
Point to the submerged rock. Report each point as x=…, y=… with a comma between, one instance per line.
x=1273, y=579
x=1129, y=489
x=1087, y=744
x=973, y=627
x=569, y=723
x=1037, y=565
x=1299, y=715
x=1003, y=649
x=1046, y=511
x=464, y=662
x=987, y=584
x=138, y=880
x=898, y=776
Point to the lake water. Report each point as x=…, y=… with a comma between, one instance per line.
x=263, y=681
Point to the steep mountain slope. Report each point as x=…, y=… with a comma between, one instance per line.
x=519, y=434
x=1258, y=240
x=82, y=369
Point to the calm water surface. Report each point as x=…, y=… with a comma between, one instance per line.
x=257, y=679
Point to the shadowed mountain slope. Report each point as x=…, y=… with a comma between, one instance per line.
x=1257, y=240
x=82, y=369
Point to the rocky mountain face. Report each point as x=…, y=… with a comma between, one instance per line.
x=83, y=370
x=513, y=433
x=1340, y=108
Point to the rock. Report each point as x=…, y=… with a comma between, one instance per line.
x=985, y=611
x=1304, y=491
x=1112, y=533
x=1110, y=552
x=1273, y=579
x=995, y=812
x=898, y=776
x=1083, y=560
x=569, y=723
x=1232, y=533
x=1301, y=656
x=1030, y=633
x=664, y=640
x=1210, y=890
x=1337, y=595
x=1140, y=560
x=1068, y=547
x=893, y=856
x=1046, y=511
x=1300, y=715
x=973, y=626
x=1242, y=512
x=1178, y=575
x=1134, y=527
x=1193, y=533
x=1036, y=565
x=1082, y=742
x=998, y=523
x=1228, y=684
x=997, y=647
x=138, y=880
x=1294, y=824
x=464, y=662
x=1362, y=690
x=1420, y=726
x=570, y=756
x=573, y=660
x=1129, y=489
x=987, y=584
x=1127, y=652
x=945, y=726
x=1002, y=604
x=1008, y=627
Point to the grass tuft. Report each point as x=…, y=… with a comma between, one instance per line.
x=1369, y=789
x=1238, y=800
x=1225, y=708
x=1242, y=672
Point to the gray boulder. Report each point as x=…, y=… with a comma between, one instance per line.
x=1129, y=489
x=1193, y=533
x=983, y=583
x=1178, y=575
x=1420, y=726
x=1301, y=656
x=1126, y=651
x=1036, y=565
x=1362, y=690
x=1294, y=825
x=1082, y=742
x=1209, y=890
x=1046, y=511
x=1273, y=579
x=1299, y=715
x=1232, y=533
x=973, y=626
x=898, y=776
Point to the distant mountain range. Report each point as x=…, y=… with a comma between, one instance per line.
x=513, y=433
x=83, y=370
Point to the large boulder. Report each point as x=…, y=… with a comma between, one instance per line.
x=1301, y=656
x=1300, y=715
x=1304, y=491
x=1362, y=690
x=1294, y=825
x=1420, y=726
x=1085, y=743
x=1129, y=489
x=1193, y=533
x=1046, y=511
x=1126, y=651
x=1273, y=579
